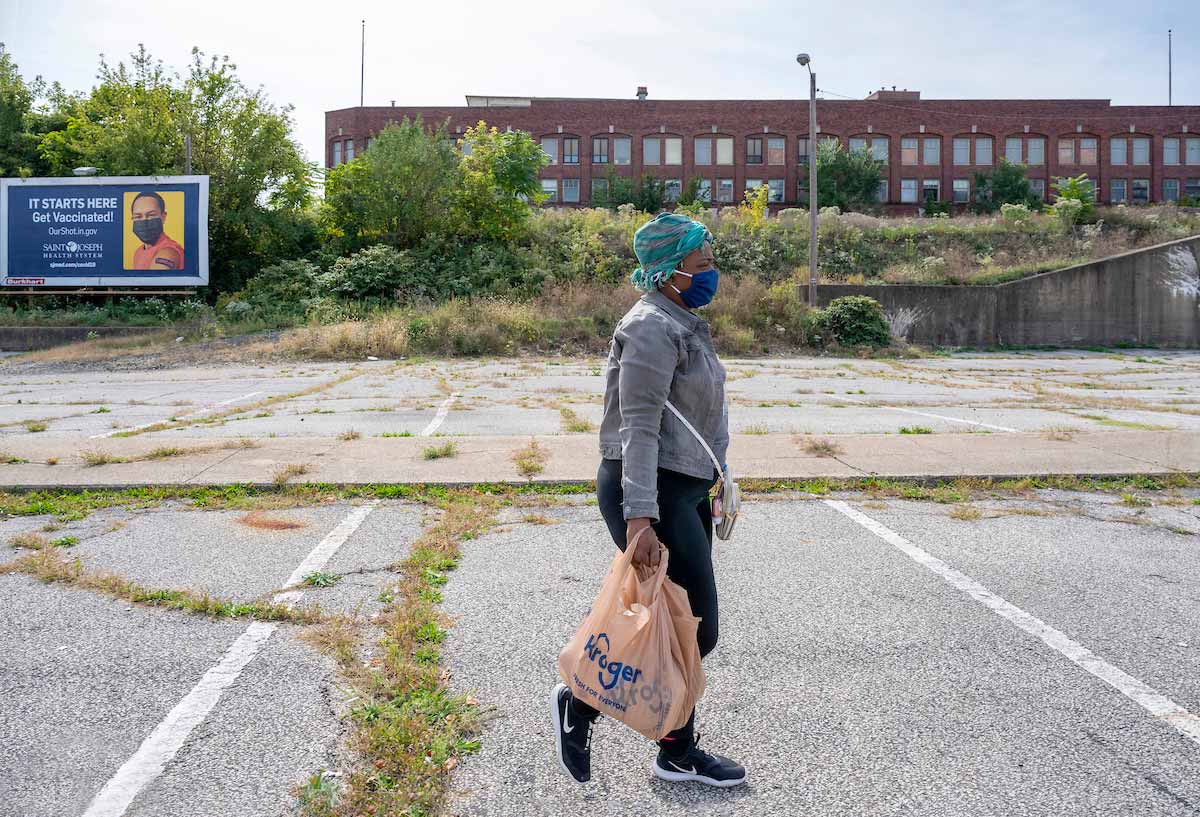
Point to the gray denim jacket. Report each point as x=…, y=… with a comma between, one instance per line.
x=661, y=351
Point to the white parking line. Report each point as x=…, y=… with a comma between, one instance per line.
x=1140, y=693
x=196, y=413
x=934, y=416
x=438, y=418
x=157, y=750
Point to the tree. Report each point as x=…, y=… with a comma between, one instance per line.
x=1077, y=188
x=650, y=194
x=1005, y=185
x=848, y=180
x=499, y=179
x=399, y=191
x=23, y=122
x=618, y=191
x=134, y=122
x=691, y=193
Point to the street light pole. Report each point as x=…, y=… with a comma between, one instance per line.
x=805, y=60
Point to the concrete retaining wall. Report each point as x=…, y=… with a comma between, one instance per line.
x=31, y=338
x=1148, y=297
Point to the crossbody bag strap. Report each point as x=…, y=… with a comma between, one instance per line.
x=696, y=434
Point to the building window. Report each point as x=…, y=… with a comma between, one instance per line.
x=754, y=184
x=550, y=188
x=1037, y=151
x=349, y=150
x=931, y=190
x=962, y=191
x=1140, y=189
x=1171, y=150
x=776, y=146
x=570, y=191
x=857, y=143
x=1038, y=188
x=550, y=148
x=370, y=139
x=1191, y=188
x=983, y=150
x=754, y=150
x=962, y=151
x=724, y=150
x=704, y=191
x=465, y=147
x=1116, y=191
x=1170, y=190
x=622, y=150
x=673, y=150
x=1012, y=150
x=599, y=150
x=1117, y=151
x=1141, y=151
x=1066, y=151
x=908, y=151
x=775, y=191
x=724, y=189
x=651, y=151
x=802, y=149
x=704, y=151
x=570, y=150
x=1193, y=151
x=1088, y=152
x=908, y=191
x=931, y=150
x=337, y=153
x=599, y=191
x=672, y=188
x=881, y=192
x=879, y=149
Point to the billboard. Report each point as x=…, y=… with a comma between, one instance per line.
x=104, y=231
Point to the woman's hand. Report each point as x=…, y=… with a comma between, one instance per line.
x=647, y=551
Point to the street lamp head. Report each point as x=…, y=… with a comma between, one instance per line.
x=803, y=59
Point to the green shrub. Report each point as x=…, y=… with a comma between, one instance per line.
x=375, y=272
x=279, y=287
x=856, y=320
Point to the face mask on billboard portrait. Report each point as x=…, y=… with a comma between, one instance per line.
x=148, y=230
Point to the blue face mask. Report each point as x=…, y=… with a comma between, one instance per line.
x=702, y=290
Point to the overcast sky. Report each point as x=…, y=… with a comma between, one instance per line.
x=433, y=53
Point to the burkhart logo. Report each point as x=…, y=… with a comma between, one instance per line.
x=597, y=652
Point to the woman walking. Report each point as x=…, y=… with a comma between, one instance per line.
x=654, y=473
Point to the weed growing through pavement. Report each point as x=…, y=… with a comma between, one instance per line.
x=756, y=429
x=395, y=434
x=29, y=541
x=317, y=795
x=967, y=513
x=530, y=460
x=437, y=452
x=1135, y=501
x=283, y=474
x=48, y=565
x=319, y=578
x=66, y=542
x=93, y=459
x=34, y=426
x=408, y=728
x=820, y=446
x=348, y=435
x=915, y=430
x=1060, y=433
x=258, y=519
x=573, y=423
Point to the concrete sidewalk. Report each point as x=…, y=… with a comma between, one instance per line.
x=573, y=457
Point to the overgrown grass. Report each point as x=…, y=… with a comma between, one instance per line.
x=819, y=446
x=438, y=452
x=285, y=473
x=531, y=460
x=407, y=727
x=48, y=564
x=95, y=458
x=572, y=423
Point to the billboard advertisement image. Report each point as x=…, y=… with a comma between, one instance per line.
x=104, y=231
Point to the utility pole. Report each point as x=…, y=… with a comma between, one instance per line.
x=805, y=60
x=362, y=77
x=1169, y=67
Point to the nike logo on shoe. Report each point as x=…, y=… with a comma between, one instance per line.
x=567, y=726
x=692, y=770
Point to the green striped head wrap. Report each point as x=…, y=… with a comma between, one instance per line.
x=660, y=244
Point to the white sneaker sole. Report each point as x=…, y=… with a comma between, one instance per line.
x=554, y=716
x=685, y=777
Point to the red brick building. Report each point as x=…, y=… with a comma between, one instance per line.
x=932, y=147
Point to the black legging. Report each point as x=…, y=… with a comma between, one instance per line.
x=685, y=529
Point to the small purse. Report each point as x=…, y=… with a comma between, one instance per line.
x=728, y=500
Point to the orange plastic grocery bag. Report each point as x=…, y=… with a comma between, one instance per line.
x=635, y=656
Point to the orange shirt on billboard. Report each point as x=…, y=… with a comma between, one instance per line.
x=143, y=256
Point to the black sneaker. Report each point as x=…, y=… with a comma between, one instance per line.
x=572, y=736
x=698, y=765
